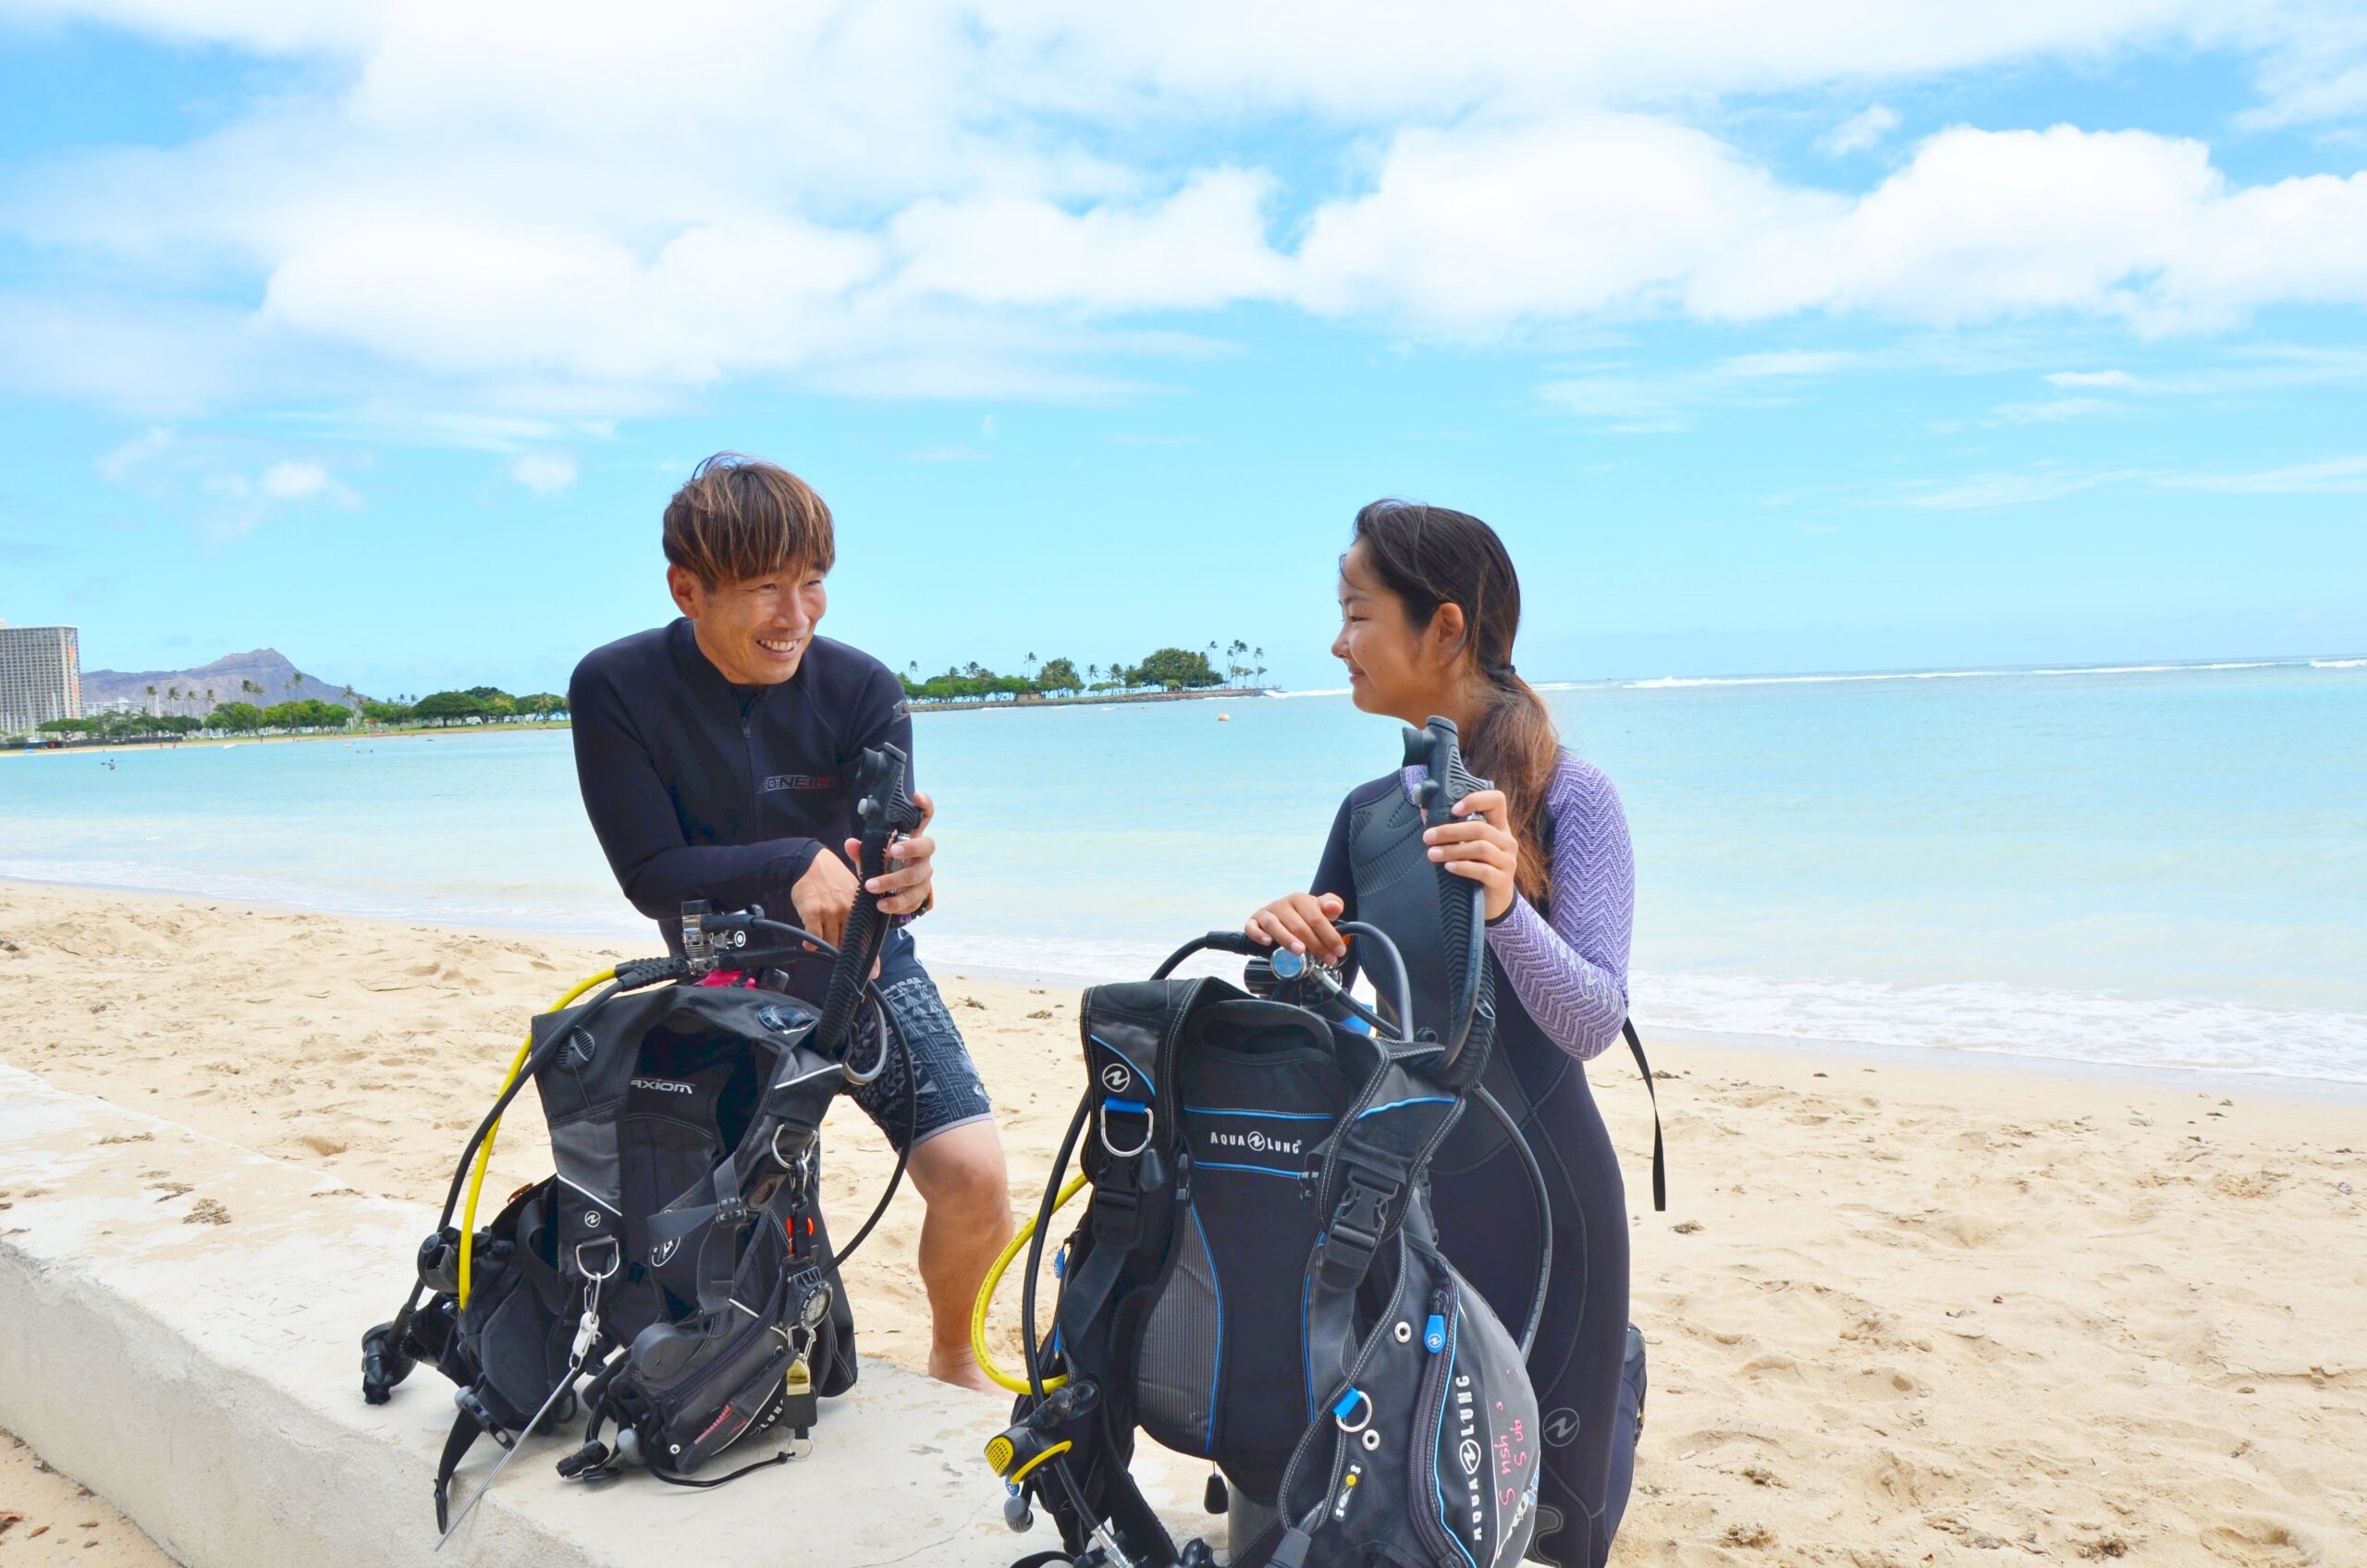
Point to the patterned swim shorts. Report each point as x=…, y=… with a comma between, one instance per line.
x=946, y=1088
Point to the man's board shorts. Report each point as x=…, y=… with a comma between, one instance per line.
x=947, y=1092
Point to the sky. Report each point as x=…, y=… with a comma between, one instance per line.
x=1838, y=335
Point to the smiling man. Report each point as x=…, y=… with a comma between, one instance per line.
x=714, y=756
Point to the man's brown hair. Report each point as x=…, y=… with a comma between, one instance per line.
x=738, y=517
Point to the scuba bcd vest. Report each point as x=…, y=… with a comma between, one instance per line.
x=1257, y=1279
x=673, y=1278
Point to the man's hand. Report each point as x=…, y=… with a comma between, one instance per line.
x=908, y=884
x=824, y=896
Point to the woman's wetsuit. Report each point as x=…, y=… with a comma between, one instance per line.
x=1561, y=979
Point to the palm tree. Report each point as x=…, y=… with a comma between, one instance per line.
x=152, y=701
x=1092, y=673
x=1259, y=654
x=1031, y=666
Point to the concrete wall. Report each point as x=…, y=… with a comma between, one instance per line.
x=204, y=1377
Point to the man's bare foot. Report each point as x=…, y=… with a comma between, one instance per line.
x=961, y=1370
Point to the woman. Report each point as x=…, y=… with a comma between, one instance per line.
x=1429, y=606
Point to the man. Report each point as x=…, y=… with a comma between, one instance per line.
x=716, y=758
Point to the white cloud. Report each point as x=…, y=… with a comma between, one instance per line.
x=2090, y=378
x=1865, y=128
x=2025, y=487
x=1473, y=229
x=1203, y=246
x=534, y=213
x=546, y=473
x=245, y=504
x=135, y=454
x=1634, y=402
x=2334, y=476
x=294, y=481
x=2050, y=411
x=2041, y=482
x=1983, y=225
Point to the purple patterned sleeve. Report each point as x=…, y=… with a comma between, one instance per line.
x=1571, y=971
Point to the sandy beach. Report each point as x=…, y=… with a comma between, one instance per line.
x=1899, y=1312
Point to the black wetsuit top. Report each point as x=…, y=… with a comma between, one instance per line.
x=699, y=788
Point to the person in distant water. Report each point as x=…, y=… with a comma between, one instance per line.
x=716, y=756
x=1428, y=607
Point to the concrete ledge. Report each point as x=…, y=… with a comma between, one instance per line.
x=204, y=1377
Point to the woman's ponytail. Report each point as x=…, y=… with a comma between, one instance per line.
x=1429, y=557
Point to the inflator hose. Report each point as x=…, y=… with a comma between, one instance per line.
x=1494, y=1107
x=493, y=1127
x=985, y=1304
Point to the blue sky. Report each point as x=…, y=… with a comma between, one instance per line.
x=1829, y=336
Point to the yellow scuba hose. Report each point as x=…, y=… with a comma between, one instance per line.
x=485, y=1149
x=987, y=1297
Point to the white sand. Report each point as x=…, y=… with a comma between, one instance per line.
x=1898, y=1314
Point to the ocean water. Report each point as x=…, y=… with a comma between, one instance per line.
x=2155, y=865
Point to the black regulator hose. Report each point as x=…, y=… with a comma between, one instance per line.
x=1494, y=1107
x=886, y=812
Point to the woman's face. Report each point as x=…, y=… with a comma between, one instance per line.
x=1387, y=670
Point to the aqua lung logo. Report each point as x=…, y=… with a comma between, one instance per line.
x=1116, y=1079
x=1467, y=1416
x=662, y=1253
x=1561, y=1428
x=664, y=1086
x=1261, y=1142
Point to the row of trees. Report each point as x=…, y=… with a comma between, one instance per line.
x=1172, y=669
x=193, y=702
x=309, y=716
x=303, y=715
x=482, y=704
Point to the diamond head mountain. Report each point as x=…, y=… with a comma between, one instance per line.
x=230, y=679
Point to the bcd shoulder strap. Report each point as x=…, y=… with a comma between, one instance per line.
x=1660, y=1154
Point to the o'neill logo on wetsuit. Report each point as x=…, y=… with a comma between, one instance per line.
x=801, y=781
x=1263, y=1143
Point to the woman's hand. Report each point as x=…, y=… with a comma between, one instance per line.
x=1477, y=848
x=1302, y=922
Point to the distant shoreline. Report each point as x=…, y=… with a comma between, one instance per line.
x=1087, y=699
x=175, y=743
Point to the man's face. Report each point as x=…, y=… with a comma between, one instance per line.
x=755, y=632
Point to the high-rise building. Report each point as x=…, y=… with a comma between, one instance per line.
x=40, y=675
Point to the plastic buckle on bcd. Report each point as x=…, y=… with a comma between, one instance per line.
x=1355, y=1234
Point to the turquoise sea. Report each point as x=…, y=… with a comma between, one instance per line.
x=2158, y=865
